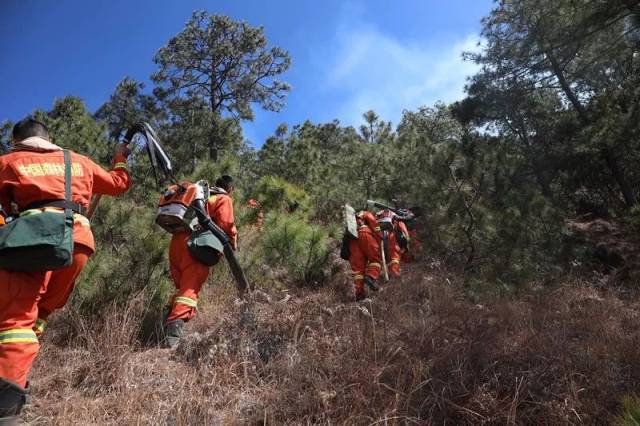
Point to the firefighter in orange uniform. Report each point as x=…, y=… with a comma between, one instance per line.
x=188, y=273
x=395, y=236
x=364, y=254
x=255, y=205
x=32, y=177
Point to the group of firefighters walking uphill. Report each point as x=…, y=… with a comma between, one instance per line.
x=46, y=190
x=378, y=243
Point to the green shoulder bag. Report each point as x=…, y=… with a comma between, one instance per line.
x=40, y=240
x=205, y=247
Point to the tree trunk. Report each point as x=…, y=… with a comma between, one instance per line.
x=213, y=143
x=612, y=161
x=213, y=138
x=618, y=175
x=582, y=112
x=544, y=183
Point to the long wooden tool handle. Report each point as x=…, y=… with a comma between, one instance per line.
x=94, y=205
x=384, y=260
x=236, y=270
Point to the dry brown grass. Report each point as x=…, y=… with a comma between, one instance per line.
x=419, y=353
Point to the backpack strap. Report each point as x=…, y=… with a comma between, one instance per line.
x=62, y=204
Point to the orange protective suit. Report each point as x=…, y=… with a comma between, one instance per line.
x=255, y=204
x=364, y=253
x=415, y=246
x=393, y=250
x=188, y=274
x=387, y=219
x=393, y=253
x=27, y=177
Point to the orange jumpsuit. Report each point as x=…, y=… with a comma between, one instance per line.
x=364, y=253
x=27, y=177
x=188, y=274
x=393, y=250
x=415, y=246
x=255, y=204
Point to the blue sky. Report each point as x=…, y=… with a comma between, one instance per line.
x=348, y=56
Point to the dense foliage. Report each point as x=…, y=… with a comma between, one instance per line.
x=546, y=136
x=549, y=131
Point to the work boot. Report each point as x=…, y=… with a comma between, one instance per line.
x=360, y=296
x=12, y=398
x=371, y=283
x=173, y=333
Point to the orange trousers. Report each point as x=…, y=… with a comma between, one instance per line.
x=415, y=247
x=188, y=276
x=25, y=297
x=365, y=258
x=393, y=253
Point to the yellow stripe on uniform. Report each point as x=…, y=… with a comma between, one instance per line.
x=18, y=335
x=186, y=301
x=375, y=265
x=81, y=219
x=77, y=217
x=121, y=166
x=358, y=277
x=394, y=261
x=31, y=212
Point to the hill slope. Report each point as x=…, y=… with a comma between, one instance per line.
x=419, y=352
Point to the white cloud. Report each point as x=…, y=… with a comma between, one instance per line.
x=373, y=70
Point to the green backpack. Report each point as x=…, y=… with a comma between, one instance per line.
x=205, y=247
x=38, y=240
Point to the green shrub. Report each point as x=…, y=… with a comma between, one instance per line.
x=275, y=193
x=630, y=415
x=300, y=248
x=130, y=260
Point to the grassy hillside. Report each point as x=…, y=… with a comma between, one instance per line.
x=423, y=351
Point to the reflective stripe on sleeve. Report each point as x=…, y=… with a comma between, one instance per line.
x=375, y=265
x=121, y=166
x=358, y=277
x=18, y=335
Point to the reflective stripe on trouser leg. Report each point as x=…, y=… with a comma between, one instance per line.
x=18, y=350
x=373, y=270
x=186, y=301
x=358, y=282
x=183, y=308
x=394, y=267
x=18, y=335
